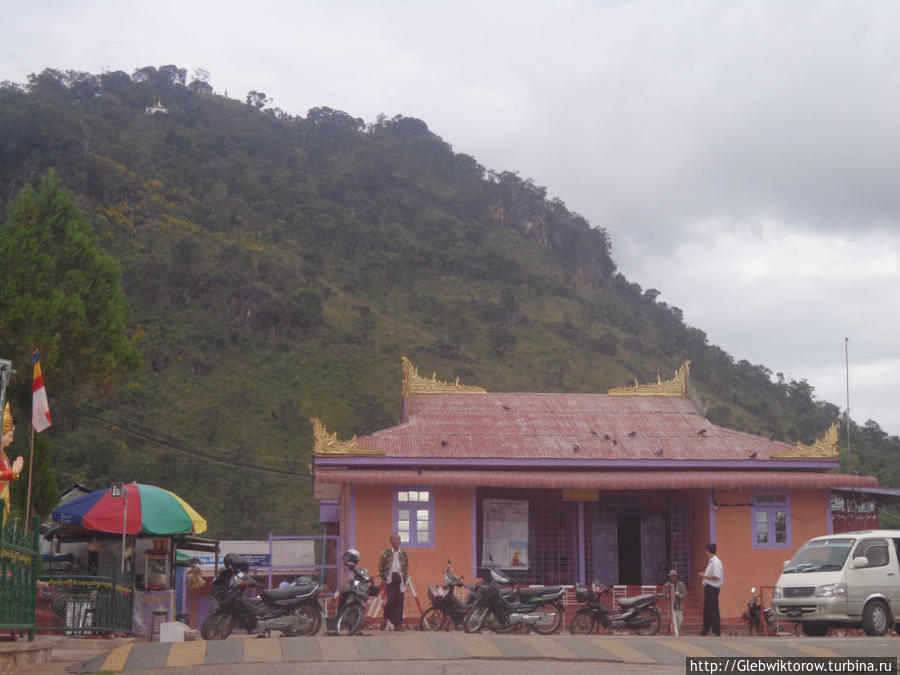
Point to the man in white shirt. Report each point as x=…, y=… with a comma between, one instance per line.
x=712, y=583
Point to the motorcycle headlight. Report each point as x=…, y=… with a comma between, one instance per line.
x=831, y=591
x=778, y=593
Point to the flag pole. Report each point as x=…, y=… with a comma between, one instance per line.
x=30, y=467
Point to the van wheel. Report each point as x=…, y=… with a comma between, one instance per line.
x=815, y=629
x=875, y=618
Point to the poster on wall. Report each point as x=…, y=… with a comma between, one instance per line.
x=505, y=533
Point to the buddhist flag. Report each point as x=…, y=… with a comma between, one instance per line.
x=40, y=409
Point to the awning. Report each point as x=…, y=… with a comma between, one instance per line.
x=881, y=496
x=599, y=480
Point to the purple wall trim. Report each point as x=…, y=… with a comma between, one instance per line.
x=474, y=531
x=712, y=518
x=473, y=462
x=829, y=515
x=581, y=571
x=352, y=516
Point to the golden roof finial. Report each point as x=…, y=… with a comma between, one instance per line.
x=414, y=384
x=328, y=444
x=677, y=386
x=822, y=448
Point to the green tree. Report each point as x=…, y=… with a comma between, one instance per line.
x=61, y=293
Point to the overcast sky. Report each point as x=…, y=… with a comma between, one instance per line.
x=743, y=155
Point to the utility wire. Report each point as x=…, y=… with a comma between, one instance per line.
x=180, y=445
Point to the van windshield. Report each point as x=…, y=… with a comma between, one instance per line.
x=821, y=555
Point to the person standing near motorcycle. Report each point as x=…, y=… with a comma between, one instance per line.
x=712, y=585
x=676, y=591
x=394, y=569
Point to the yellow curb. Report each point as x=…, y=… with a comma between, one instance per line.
x=337, y=648
x=688, y=648
x=410, y=647
x=116, y=658
x=548, y=647
x=748, y=649
x=622, y=650
x=263, y=650
x=814, y=651
x=478, y=646
x=183, y=654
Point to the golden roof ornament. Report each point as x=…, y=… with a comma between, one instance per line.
x=414, y=384
x=677, y=386
x=7, y=419
x=822, y=448
x=328, y=444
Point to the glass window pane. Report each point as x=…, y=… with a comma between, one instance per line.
x=402, y=496
x=403, y=526
x=761, y=516
x=422, y=526
x=422, y=514
x=424, y=496
x=402, y=514
x=404, y=536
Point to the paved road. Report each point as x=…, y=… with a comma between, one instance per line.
x=460, y=648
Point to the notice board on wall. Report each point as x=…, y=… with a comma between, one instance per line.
x=505, y=533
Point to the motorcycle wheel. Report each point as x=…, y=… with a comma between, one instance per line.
x=350, y=620
x=475, y=619
x=651, y=615
x=432, y=619
x=582, y=624
x=496, y=627
x=310, y=619
x=217, y=626
x=556, y=614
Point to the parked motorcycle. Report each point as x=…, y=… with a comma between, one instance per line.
x=445, y=608
x=638, y=614
x=292, y=609
x=753, y=616
x=538, y=607
x=354, y=596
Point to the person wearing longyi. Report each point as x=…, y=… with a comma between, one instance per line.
x=8, y=471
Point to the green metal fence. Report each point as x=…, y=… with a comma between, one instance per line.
x=80, y=604
x=19, y=562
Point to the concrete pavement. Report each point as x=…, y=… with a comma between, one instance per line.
x=419, y=646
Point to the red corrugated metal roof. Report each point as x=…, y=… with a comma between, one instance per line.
x=600, y=480
x=547, y=426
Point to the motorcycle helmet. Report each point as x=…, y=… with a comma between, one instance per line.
x=236, y=563
x=351, y=557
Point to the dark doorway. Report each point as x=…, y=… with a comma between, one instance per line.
x=630, y=548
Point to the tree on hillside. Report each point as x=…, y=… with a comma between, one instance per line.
x=60, y=293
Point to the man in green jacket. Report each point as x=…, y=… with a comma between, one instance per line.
x=394, y=569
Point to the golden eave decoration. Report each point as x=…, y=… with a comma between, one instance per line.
x=328, y=444
x=677, y=386
x=413, y=384
x=822, y=448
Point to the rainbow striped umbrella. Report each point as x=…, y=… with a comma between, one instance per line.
x=151, y=510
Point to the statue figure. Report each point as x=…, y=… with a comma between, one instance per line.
x=8, y=472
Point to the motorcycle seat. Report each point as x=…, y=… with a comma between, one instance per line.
x=527, y=594
x=631, y=602
x=289, y=592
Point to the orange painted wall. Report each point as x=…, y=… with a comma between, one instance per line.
x=744, y=565
x=452, y=535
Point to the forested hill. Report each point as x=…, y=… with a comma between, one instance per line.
x=278, y=267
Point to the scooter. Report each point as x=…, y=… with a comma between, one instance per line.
x=354, y=597
x=292, y=609
x=445, y=608
x=539, y=607
x=638, y=614
x=753, y=617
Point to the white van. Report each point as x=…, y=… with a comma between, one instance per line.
x=850, y=579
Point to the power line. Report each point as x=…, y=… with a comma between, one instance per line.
x=181, y=445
